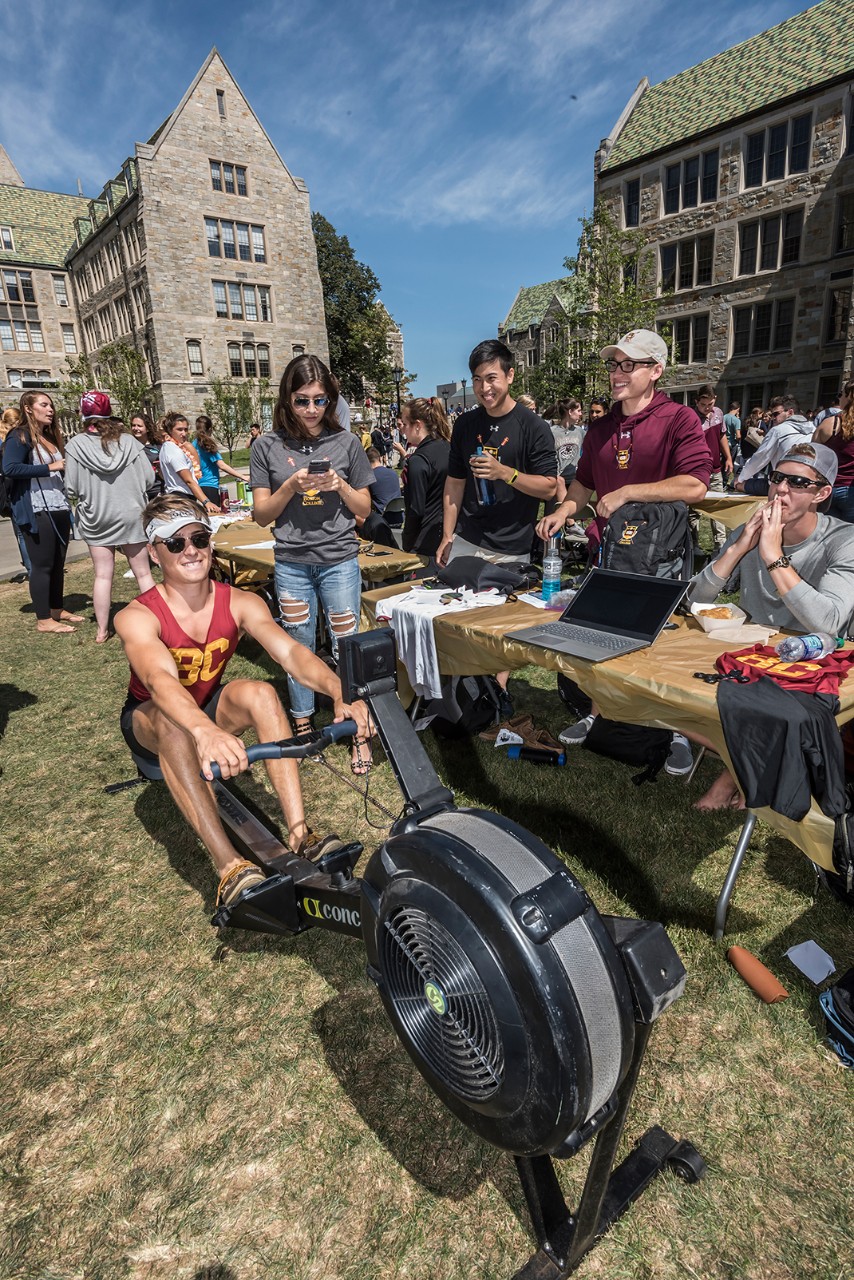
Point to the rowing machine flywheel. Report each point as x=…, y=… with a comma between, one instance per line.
x=500, y=978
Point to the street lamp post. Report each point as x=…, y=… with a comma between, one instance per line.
x=445, y=398
x=464, y=380
x=397, y=374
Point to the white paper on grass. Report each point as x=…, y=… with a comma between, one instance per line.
x=507, y=738
x=812, y=961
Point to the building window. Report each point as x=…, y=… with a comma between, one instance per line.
x=691, y=182
x=844, y=240
x=259, y=253
x=532, y=357
x=7, y=340
x=194, y=356
x=779, y=150
x=212, y=233
x=249, y=360
x=15, y=379
x=19, y=286
x=21, y=335
x=69, y=342
x=114, y=265
x=690, y=339
x=765, y=326
x=631, y=203
x=230, y=178
x=769, y=243
x=6, y=238
x=850, y=141
x=140, y=305
x=241, y=301
x=243, y=251
x=123, y=321
x=220, y=102
x=687, y=264
x=838, y=314
x=132, y=242
x=228, y=245
x=60, y=292
x=105, y=316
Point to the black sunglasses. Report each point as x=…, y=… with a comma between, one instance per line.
x=794, y=482
x=176, y=545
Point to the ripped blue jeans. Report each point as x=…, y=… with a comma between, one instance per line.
x=300, y=588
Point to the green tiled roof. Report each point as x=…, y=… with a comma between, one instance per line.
x=42, y=224
x=800, y=54
x=532, y=303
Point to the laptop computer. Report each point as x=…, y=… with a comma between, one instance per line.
x=611, y=614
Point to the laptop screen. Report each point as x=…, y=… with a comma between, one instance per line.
x=626, y=603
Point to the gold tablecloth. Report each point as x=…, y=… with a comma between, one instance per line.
x=233, y=543
x=731, y=509
x=653, y=686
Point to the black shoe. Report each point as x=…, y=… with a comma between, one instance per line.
x=505, y=705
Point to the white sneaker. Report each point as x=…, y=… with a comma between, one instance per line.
x=680, y=759
x=576, y=734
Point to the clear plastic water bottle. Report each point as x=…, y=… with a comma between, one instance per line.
x=552, y=565
x=485, y=488
x=806, y=648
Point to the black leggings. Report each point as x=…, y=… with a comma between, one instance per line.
x=47, y=550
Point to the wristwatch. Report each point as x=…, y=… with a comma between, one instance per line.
x=783, y=562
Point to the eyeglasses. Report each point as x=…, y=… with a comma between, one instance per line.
x=319, y=402
x=177, y=545
x=795, y=482
x=626, y=366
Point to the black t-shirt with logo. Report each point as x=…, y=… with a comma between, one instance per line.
x=519, y=439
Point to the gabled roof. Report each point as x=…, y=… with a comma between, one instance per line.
x=532, y=302
x=802, y=53
x=42, y=225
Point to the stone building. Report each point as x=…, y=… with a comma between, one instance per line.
x=38, y=322
x=199, y=253
x=739, y=173
x=536, y=321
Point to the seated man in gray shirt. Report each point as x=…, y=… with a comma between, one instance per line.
x=794, y=564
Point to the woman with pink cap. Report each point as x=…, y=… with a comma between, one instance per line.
x=109, y=472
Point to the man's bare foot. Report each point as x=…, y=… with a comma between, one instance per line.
x=51, y=626
x=722, y=794
x=64, y=616
x=103, y=636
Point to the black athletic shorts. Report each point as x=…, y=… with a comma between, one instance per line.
x=126, y=723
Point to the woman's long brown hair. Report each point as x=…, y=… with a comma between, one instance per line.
x=53, y=435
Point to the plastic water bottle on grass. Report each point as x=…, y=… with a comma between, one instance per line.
x=807, y=648
x=552, y=566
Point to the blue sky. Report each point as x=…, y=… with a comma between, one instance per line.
x=452, y=143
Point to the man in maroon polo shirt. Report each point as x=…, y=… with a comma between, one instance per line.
x=714, y=430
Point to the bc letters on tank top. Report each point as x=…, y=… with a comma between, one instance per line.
x=200, y=666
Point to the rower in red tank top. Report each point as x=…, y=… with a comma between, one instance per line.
x=200, y=667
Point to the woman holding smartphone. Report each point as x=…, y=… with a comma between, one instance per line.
x=311, y=479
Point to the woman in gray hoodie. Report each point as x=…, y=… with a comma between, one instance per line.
x=109, y=472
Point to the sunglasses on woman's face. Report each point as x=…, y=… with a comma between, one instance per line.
x=177, y=545
x=794, y=482
x=319, y=402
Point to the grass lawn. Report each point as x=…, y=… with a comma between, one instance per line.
x=186, y=1106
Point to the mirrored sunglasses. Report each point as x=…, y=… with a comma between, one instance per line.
x=177, y=544
x=319, y=402
x=794, y=482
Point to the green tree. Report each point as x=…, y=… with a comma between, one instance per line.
x=232, y=405
x=78, y=379
x=125, y=377
x=552, y=379
x=357, y=324
x=615, y=292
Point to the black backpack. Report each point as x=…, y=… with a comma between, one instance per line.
x=631, y=744
x=468, y=704
x=649, y=537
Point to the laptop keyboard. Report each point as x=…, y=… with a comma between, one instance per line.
x=568, y=631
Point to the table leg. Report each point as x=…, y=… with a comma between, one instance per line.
x=732, y=874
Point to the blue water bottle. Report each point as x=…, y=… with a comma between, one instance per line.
x=485, y=488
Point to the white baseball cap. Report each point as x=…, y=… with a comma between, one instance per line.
x=638, y=344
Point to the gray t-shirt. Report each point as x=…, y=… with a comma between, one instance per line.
x=822, y=601
x=314, y=528
x=568, y=442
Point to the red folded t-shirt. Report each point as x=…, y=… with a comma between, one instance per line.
x=813, y=676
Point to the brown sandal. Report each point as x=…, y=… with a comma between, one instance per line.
x=313, y=846
x=244, y=875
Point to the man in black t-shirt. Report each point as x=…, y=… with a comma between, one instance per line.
x=502, y=465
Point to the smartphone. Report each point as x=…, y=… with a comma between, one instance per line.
x=318, y=466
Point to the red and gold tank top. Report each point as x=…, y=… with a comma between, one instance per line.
x=200, y=667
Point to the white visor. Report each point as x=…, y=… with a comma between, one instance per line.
x=163, y=528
